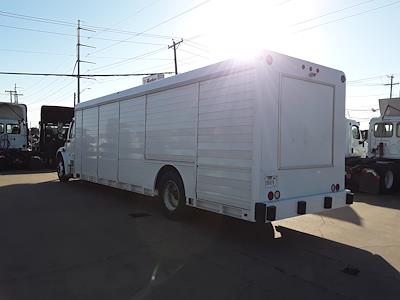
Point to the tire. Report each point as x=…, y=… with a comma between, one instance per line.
x=172, y=195
x=388, y=177
x=61, y=170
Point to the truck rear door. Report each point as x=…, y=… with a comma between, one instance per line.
x=309, y=132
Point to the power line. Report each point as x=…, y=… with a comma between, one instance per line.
x=193, y=45
x=360, y=84
x=51, y=94
x=362, y=110
x=37, y=84
x=72, y=35
x=126, y=32
x=178, y=15
x=330, y=13
x=129, y=59
x=365, y=96
x=70, y=24
x=37, y=30
x=194, y=54
x=73, y=55
x=37, y=19
x=137, y=12
x=123, y=41
x=367, y=78
x=82, y=75
x=346, y=17
x=36, y=52
x=157, y=25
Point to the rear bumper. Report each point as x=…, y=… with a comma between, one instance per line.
x=286, y=208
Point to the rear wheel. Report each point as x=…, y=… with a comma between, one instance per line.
x=172, y=194
x=61, y=170
x=388, y=178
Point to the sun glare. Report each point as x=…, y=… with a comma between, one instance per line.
x=242, y=28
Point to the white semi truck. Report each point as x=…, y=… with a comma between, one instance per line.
x=13, y=134
x=259, y=140
x=356, y=146
x=380, y=171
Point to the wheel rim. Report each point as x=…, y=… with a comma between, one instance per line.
x=389, y=179
x=171, y=195
x=60, y=169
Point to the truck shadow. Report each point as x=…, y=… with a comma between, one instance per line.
x=102, y=243
x=35, y=166
x=346, y=214
x=388, y=201
x=17, y=171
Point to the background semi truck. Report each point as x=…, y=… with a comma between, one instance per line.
x=54, y=124
x=380, y=171
x=356, y=145
x=259, y=140
x=13, y=134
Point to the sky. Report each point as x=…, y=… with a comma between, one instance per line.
x=358, y=37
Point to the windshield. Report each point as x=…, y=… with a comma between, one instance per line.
x=383, y=130
x=355, y=132
x=56, y=131
x=13, y=129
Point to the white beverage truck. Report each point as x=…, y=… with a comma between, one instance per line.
x=259, y=139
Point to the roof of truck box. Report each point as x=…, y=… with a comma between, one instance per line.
x=214, y=70
x=207, y=72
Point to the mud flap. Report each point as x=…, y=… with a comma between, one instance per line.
x=369, y=181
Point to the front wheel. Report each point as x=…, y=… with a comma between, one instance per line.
x=172, y=194
x=61, y=170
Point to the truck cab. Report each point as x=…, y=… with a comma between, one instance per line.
x=384, y=137
x=65, y=154
x=355, y=144
x=13, y=133
x=380, y=171
x=54, y=125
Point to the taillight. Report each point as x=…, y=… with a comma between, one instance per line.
x=270, y=195
x=277, y=194
x=337, y=187
x=333, y=188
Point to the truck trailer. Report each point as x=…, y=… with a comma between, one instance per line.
x=259, y=139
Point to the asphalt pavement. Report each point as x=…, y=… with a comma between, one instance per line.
x=78, y=240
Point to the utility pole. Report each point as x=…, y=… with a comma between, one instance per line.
x=391, y=85
x=11, y=94
x=78, y=58
x=78, y=44
x=175, y=46
x=15, y=94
